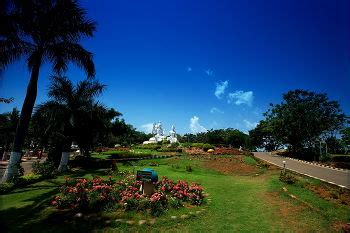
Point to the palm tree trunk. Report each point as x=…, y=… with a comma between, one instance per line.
x=23, y=124
x=64, y=162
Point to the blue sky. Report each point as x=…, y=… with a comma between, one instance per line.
x=208, y=64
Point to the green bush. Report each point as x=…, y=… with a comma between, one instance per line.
x=178, y=150
x=29, y=179
x=186, y=144
x=176, y=203
x=152, y=146
x=174, y=145
x=287, y=178
x=126, y=154
x=204, y=146
x=46, y=169
x=6, y=187
x=189, y=168
x=325, y=157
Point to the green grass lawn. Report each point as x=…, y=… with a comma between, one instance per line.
x=239, y=203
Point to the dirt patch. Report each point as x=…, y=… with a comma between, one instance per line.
x=285, y=208
x=233, y=165
x=287, y=212
x=342, y=227
x=340, y=196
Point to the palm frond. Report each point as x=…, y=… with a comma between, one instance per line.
x=11, y=49
x=62, y=53
x=61, y=89
x=88, y=89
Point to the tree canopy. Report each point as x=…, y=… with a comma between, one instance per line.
x=304, y=118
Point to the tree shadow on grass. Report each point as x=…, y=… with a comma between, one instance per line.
x=41, y=217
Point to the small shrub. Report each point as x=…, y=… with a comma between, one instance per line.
x=46, y=169
x=325, y=157
x=158, y=204
x=151, y=146
x=6, y=187
x=186, y=144
x=189, y=168
x=287, y=178
x=203, y=146
x=170, y=149
x=29, y=179
x=264, y=165
x=99, y=194
x=176, y=203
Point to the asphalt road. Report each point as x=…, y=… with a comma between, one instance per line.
x=338, y=177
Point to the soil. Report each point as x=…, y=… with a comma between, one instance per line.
x=288, y=212
x=340, y=196
x=233, y=165
x=342, y=227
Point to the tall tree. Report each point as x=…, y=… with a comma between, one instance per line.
x=41, y=31
x=8, y=123
x=73, y=114
x=303, y=117
x=262, y=137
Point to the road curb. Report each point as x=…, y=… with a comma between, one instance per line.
x=330, y=182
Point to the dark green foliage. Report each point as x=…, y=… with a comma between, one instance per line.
x=39, y=32
x=8, y=124
x=346, y=136
x=334, y=145
x=287, y=178
x=151, y=146
x=73, y=114
x=189, y=168
x=176, y=203
x=263, y=137
x=325, y=157
x=223, y=137
x=204, y=146
x=6, y=187
x=114, y=154
x=179, y=150
x=302, y=118
x=46, y=169
x=125, y=134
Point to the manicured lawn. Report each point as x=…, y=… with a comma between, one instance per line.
x=245, y=203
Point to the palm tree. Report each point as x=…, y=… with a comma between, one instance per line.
x=41, y=31
x=72, y=113
x=8, y=123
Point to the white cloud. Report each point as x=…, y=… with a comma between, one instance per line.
x=195, y=127
x=147, y=128
x=250, y=125
x=189, y=69
x=215, y=110
x=209, y=72
x=220, y=89
x=241, y=97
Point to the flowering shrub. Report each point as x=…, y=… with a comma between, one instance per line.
x=83, y=194
x=183, y=191
x=159, y=203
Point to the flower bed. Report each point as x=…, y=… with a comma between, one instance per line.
x=96, y=194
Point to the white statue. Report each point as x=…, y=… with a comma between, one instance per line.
x=172, y=138
x=158, y=134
